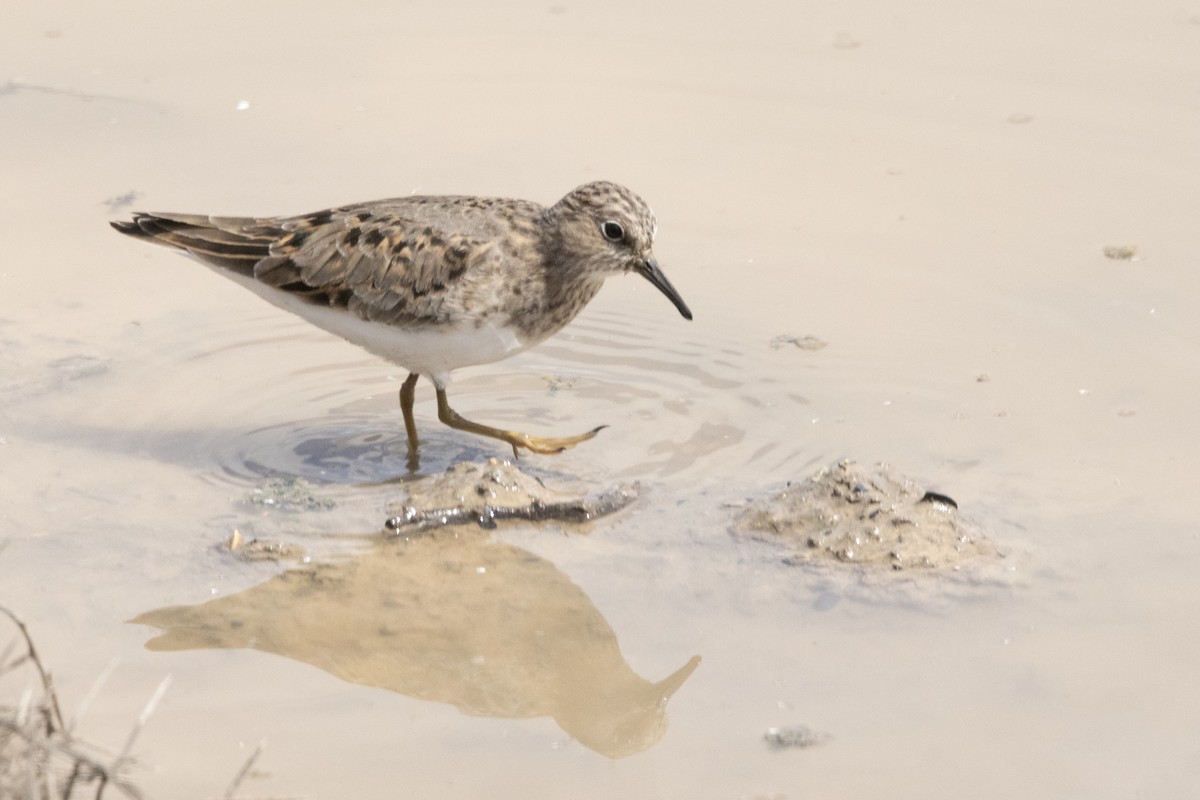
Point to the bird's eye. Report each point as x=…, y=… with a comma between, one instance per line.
x=612, y=231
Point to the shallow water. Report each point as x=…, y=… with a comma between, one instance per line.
x=926, y=187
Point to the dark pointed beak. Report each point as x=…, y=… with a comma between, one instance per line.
x=649, y=270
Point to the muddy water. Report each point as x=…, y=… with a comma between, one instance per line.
x=928, y=188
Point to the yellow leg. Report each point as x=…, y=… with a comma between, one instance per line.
x=536, y=444
x=407, y=394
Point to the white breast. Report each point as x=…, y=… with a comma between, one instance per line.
x=431, y=350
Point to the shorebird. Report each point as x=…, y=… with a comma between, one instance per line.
x=433, y=283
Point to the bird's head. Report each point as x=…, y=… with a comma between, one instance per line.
x=612, y=230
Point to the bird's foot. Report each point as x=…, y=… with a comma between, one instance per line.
x=545, y=445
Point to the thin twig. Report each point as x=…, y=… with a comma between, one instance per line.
x=46, y=743
x=151, y=704
x=237, y=781
x=92, y=693
x=74, y=776
x=12, y=645
x=24, y=705
x=56, y=717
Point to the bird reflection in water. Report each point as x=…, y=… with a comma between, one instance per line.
x=482, y=625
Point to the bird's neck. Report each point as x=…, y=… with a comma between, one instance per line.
x=569, y=279
x=570, y=285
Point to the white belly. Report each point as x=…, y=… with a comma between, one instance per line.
x=431, y=350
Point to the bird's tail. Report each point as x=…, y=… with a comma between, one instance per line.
x=235, y=243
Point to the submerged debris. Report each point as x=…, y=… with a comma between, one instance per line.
x=486, y=493
x=803, y=342
x=850, y=514
x=1121, y=252
x=120, y=201
x=24, y=379
x=263, y=549
x=556, y=383
x=289, y=494
x=794, y=736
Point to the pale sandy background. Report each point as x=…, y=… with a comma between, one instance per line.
x=927, y=186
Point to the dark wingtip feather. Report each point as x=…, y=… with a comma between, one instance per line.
x=212, y=243
x=125, y=226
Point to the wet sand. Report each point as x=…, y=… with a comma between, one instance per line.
x=928, y=188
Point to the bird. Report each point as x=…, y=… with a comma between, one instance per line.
x=433, y=283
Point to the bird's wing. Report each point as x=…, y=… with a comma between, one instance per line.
x=378, y=264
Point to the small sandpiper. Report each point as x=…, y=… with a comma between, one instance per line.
x=433, y=283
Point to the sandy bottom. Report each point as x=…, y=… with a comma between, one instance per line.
x=928, y=187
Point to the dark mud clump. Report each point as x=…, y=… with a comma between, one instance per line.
x=496, y=490
x=262, y=549
x=869, y=516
